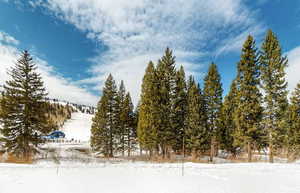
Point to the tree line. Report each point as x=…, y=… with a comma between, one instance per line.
x=177, y=116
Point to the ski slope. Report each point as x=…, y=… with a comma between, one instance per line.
x=78, y=127
x=150, y=178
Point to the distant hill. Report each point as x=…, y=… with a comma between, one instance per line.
x=77, y=107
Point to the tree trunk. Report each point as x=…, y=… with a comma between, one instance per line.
x=129, y=148
x=271, y=156
x=212, y=149
x=249, y=148
x=194, y=154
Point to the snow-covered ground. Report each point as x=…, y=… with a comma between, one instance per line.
x=70, y=168
x=150, y=178
x=78, y=127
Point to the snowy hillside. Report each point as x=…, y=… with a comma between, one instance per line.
x=150, y=178
x=78, y=127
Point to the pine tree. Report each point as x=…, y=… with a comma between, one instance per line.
x=273, y=66
x=196, y=135
x=129, y=125
x=166, y=84
x=100, y=135
x=105, y=122
x=148, y=111
x=23, y=120
x=227, y=125
x=213, y=100
x=179, y=110
x=248, y=114
x=122, y=117
x=293, y=120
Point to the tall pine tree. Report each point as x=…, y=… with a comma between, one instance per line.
x=148, y=119
x=23, y=120
x=248, y=114
x=105, y=123
x=179, y=110
x=196, y=135
x=129, y=125
x=293, y=120
x=227, y=126
x=213, y=100
x=166, y=83
x=122, y=117
x=100, y=135
x=273, y=66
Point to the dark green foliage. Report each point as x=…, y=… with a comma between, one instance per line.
x=213, y=101
x=122, y=118
x=23, y=118
x=293, y=124
x=148, y=116
x=248, y=114
x=179, y=110
x=166, y=83
x=100, y=135
x=129, y=125
x=227, y=125
x=106, y=121
x=196, y=135
x=273, y=66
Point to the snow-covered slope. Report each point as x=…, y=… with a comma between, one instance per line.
x=150, y=178
x=78, y=127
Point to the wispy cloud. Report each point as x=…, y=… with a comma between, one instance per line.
x=7, y=39
x=293, y=68
x=136, y=31
x=57, y=86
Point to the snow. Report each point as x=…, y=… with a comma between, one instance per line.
x=138, y=177
x=70, y=168
x=78, y=127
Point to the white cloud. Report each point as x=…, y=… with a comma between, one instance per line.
x=293, y=69
x=7, y=39
x=136, y=31
x=57, y=86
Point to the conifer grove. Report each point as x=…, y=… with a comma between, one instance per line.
x=175, y=116
x=178, y=115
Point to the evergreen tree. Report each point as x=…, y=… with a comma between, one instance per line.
x=248, y=114
x=23, y=120
x=100, y=135
x=196, y=136
x=148, y=111
x=213, y=101
x=122, y=117
x=227, y=125
x=105, y=122
x=293, y=132
x=273, y=66
x=179, y=110
x=166, y=84
x=129, y=125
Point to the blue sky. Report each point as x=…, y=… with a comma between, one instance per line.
x=77, y=43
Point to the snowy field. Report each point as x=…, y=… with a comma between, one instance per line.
x=150, y=178
x=68, y=170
